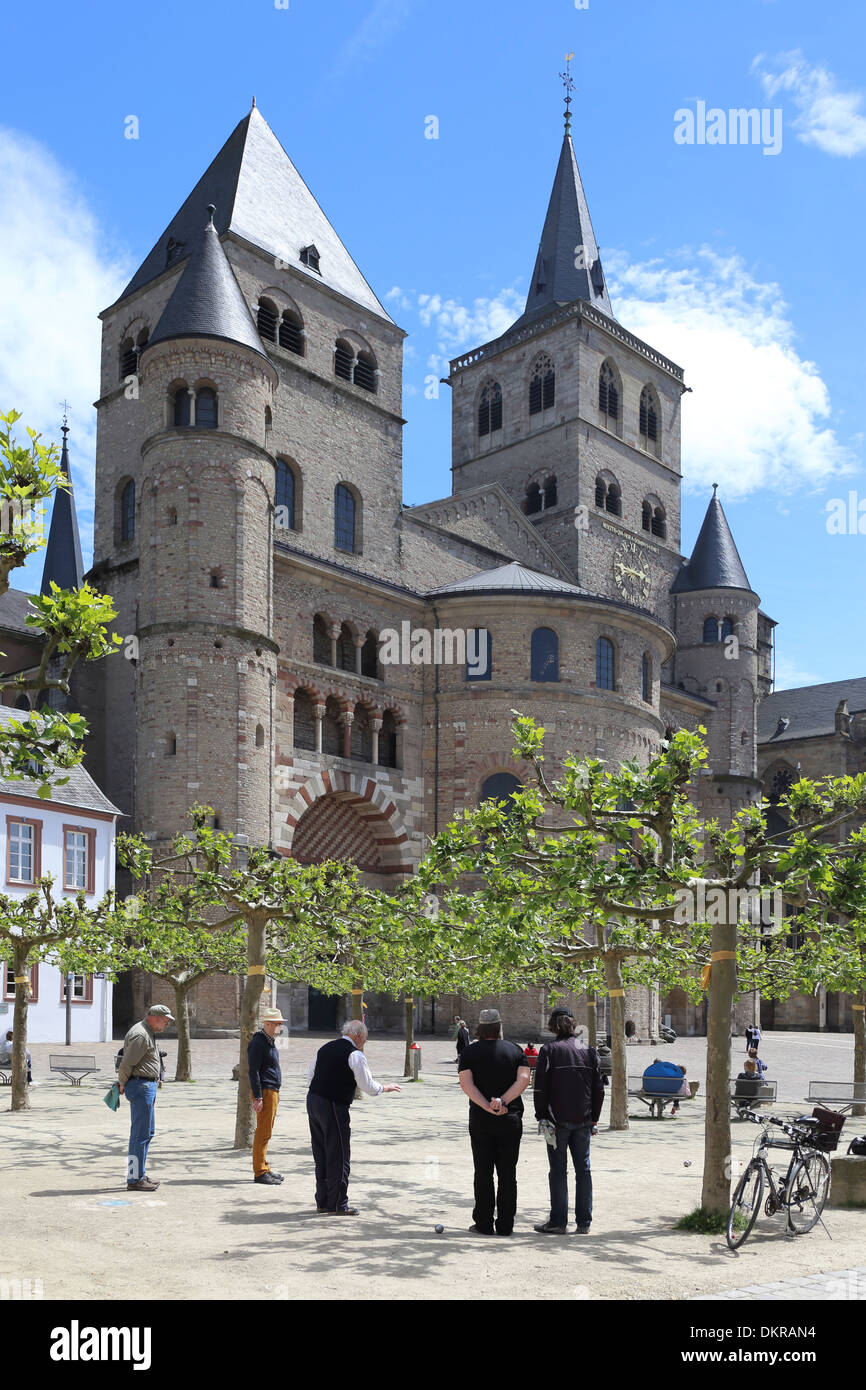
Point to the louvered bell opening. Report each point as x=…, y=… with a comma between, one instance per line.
x=496, y=412
x=613, y=402
x=128, y=362
x=600, y=491
x=365, y=374
x=659, y=526
x=613, y=502
x=291, y=335
x=549, y=391
x=343, y=362
x=646, y=517
x=267, y=323
x=535, y=397
x=533, y=500
x=550, y=493
x=483, y=419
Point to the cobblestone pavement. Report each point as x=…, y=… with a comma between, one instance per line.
x=834, y=1285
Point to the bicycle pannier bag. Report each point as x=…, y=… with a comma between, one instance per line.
x=830, y=1124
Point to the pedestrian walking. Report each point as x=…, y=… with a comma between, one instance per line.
x=568, y=1094
x=753, y=1036
x=265, y=1081
x=339, y=1068
x=494, y=1074
x=464, y=1038
x=139, y=1075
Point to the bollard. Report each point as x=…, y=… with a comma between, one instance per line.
x=416, y=1061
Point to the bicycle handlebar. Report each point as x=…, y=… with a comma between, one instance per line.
x=806, y=1125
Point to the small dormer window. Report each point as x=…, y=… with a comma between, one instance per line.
x=310, y=258
x=174, y=250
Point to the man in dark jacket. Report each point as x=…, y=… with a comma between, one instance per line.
x=494, y=1074
x=569, y=1092
x=340, y=1067
x=265, y=1081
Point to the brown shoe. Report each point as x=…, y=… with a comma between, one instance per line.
x=143, y=1185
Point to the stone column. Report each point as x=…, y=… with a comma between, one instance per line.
x=359, y=642
x=347, y=718
x=375, y=725
x=318, y=715
x=334, y=634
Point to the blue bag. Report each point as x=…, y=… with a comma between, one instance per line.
x=662, y=1079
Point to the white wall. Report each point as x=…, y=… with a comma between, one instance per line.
x=46, y=1018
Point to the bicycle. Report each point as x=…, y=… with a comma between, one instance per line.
x=801, y=1191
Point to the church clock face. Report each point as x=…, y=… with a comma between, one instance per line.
x=631, y=572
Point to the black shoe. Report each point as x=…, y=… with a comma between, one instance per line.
x=321, y=1211
x=546, y=1229
x=505, y=1233
x=270, y=1179
x=581, y=1230
x=278, y=1176
x=477, y=1231
x=344, y=1211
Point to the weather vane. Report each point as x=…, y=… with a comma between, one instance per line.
x=568, y=84
x=64, y=405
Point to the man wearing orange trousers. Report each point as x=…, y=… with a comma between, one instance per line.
x=265, y=1081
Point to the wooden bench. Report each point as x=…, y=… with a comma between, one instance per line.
x=749, y=1095
x=657, y=1100
x=73, y=1067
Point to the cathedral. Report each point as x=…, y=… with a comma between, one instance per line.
x=250, y=529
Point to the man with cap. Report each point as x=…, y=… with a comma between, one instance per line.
x=139, y=1074
x=494, y=1074
x=568, y=1093
x=265, y=1081
x=340, y=1068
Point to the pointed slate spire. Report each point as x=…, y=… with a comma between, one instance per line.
x=207, y=301
x=63, y=561
x=568, y=265
x=715, y=562
x=261, y=197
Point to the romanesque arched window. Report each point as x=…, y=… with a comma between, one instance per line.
x=542, y=386
x=534, y=501
x=544, y=655
x=182, y=405
x=388, y=740
x=365, y=371
x=370, y=656
x=727, y=628
x=344, y=359
x=205, y=408
x=608, y=394
x=285, y=498
x=292, y=332
x=128, y=359
x=608, y=495
x=490, y=409
x=127, y=511
x=304, y=722
x=711, y=630
x=346, y=649
x=605, y=664
x=362, y=735
x=266, y=320
x=646, y=516
x=321, y=641
x=500, y=787
x=345, y=519
x=550, y=493
x=332, y=729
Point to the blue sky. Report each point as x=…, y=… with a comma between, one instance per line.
x=744, y=267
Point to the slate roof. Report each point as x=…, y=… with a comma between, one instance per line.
x=63, y=561
x=810, y=710
x=715, y=562
x=259, y=194
x=207, y=301
x=556, y=279
x=80, y=791
x=514, y=577
x=14, y=607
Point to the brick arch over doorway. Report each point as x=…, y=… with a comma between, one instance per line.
x=345, y=817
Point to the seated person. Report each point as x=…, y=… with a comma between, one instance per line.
x=685, y=1090
x=761, y=1066
x=6, y=1055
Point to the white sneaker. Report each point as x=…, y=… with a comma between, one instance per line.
x=34, y=1083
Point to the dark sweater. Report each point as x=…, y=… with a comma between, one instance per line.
x=264, y=1064
x=568, y=1085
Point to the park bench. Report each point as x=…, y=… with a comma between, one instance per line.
x=836, y=1093
x=5, y=1073
x=657, y=1100
x=748, y=1095
x=73, y=1067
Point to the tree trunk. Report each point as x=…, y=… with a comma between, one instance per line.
x=410, y=1034
x=716, y=1193
x=592, y=1019
x=253, y=988
x=860, y=1048
x=357, y=1000
x=183, y=1070
x=20, y=1092
x=619, y=1071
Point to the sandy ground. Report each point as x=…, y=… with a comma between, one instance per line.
x=210, y=1232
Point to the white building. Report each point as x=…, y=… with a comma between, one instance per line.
x=71, y=836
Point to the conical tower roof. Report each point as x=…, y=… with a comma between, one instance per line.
x=63, y=561
x=568, y=265
x=715, y=561
x=207, y=301
x=260, y=196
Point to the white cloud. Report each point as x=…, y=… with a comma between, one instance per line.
x=55, y=276
x=385, y=19
x=458, y=326
x=829, y=118
x=759, y=413
x=790, y=676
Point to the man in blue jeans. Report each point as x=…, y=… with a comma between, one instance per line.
x=568, y=1093
x=138, y=1076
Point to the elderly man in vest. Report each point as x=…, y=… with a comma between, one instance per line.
x=139, y=1074
x=340, y=1067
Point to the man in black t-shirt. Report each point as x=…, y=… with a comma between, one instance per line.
x=494, y=1074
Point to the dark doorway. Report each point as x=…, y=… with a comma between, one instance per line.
x=122, y=1005
x=322, y=1011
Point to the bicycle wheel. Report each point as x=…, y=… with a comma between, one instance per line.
x=746, y=1204
x=810, y=1183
